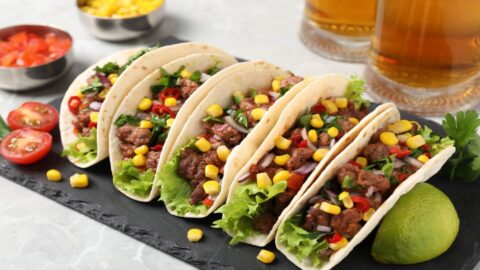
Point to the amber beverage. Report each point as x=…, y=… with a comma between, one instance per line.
x=425, y=54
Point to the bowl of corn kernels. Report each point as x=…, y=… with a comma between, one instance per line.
x=117, y=20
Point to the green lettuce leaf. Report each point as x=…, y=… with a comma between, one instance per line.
x=245, y=205
x=132, y=180
x=304, y=244
x=87, y=150
x=355, y=89
x=174, y=189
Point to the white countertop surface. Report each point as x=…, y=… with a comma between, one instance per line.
x=37, y=233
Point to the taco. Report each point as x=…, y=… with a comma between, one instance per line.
x=91, y=100
x=154, y=112
x=316, y=125
x=350, y=197
x=223, y=131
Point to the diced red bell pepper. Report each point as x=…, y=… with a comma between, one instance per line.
x=361, y=203
x=399, y=152
x=92, y=124
x=353, y=162
x=426, y=147
x=318, y=108
x=302, y=144
x=207, y=202
x=402, y=176
x=157, y=147
x=74, y=104
x=161, y=109
x=295, y=181
x=334, y=238
x=169, y=92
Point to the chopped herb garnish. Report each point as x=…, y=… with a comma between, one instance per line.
x=348, y=183
x=388, y=167
x=166, y=80
x=159, y=124
x=241, y=118
x=285, y=89
x=252, y=92
x=135, y=57
x=305, y=120
x=127, y=119
x=237, y=97
x=95, y=86
x=213, y=70
x=108, y=68
x=196, y=76
x=4, y=129
x=212, y=119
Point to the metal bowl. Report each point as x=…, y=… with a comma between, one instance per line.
x=117, y=29
x=25, y=78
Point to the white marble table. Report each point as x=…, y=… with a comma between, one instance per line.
x=37, y=233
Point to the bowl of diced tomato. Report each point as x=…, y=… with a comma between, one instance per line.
x=33, y=55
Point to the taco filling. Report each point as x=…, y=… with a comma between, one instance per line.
x=141, y=136
x=346, y=202
x=86, y=104
x=201, y=162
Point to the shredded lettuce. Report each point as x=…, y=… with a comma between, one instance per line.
x=245, y=205
x=84, y=149
x=436, y=143
x=355, y=89
x=304, y=244
x=132, y=180
x=174, y=189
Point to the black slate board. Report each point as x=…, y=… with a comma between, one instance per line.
x=151, y=224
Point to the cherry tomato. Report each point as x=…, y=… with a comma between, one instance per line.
x=25, y=146
x=295, y=181
x=157, y=147
x=207, y=202
x=169, y=92
x=334, y=238
x=92, y=124
x=162, y=109
x=74, y=104
x=34, y=115
x=361, y=203
x=399, y=152
x=318, y=108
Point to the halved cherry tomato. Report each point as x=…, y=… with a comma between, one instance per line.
x=74, y=104
x=334, y=238
x=157, y=147
x=25, y=146
x=361, y=203
x=318, y=108
x=169, y=92
x=162, y=109
x=399, y=152
x=295, y=181
x=207, y=202
x=34, y=115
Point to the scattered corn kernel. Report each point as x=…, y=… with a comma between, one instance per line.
x=170, y=102
x=367, y=215
x=330, y=208
x=353, y=120
x=211, y=187
x=329, y=106
x=400, y=126
x=211, y=171
x=185, y=74
x=319, y=154
x=282, y=143
x=223, y=152
x=341, y=103
x=346, y=199
x=146, y=124
x=141, y=150
x=415, y=142
x=139, y=160
x=203, y=145
x=80, y=94
x=423, y=158
x=258, y=113
x=312, y=135
x=266, y=256
x=316, y=121
x=169, y=122
x=194, y=235
x=332, y=132
x=79, y=180
x=215, y=110
x=263, y=180
x=113, y=77
x=388, y=138
x=261, y=99
x=281, y=175
x=276, y=85
x=281, y=160
x=54, y=175
x=145, y=104
x=362, y=161
x=94, y=117
x=103, y=94
x=339, y=245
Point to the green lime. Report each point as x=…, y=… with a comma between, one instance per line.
x=422, y=225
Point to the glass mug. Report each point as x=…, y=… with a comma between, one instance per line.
x=425, y=55
x=338, y=29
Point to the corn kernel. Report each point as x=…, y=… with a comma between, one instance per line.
x=185, y=74
x=346, y=199
x=169, y=122
x=146, y=124
x=329, y=106
x=415, y=142
x=223, y=152
x=281, y=160
x=211, y=171
x=94, y=117
x=312, y=135
x=341, y=103
x=139, y=160
x=339, y=245
x=170, y=102
x=203, y=145
x=103, y=94
x=388, y=138
x=79, y=180
x=423, y=158
x=258, y=113
x=80, y=94
x=211, y=187
x=261, y=99
x=281, y=175
x=319, y=154
x=332, y=132
x=194, y=235
x=282, y=143
x=316, y=121
x=401, y=126
x=266, y=256
x=362, y=161
x=263, y=180
x=54, y=175
x=276, y=85
x=141, y=150
x=113, y=78
x=215, y=110
x=367, y=215
x=145, y=104
x=330, y=208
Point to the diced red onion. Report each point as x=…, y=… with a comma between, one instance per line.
x=370, y=191
x=234, y=124
x=332, y=142
x=274, y=95
x=266, y=160
x=377, y=198
x=397, y=163
x=306, y=168
x=322, y=228
x=217, y=137
x=104, y=80
x=332, y=196
x=95, y=105
x=314, y=199
x=379, y=172
x=204, y=77
x=413, y=161
x=176, y=108
x=244, y=177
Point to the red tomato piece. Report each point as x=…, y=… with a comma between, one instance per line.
x=295, y=181
x=207, y=202
x=399, y=152
x=402, y=176
x=34, y=115
x=318, y=108
x=25, y=146
x=334, y=238
x=92, y=124
x=361, y=203
x=353, y=162
x=161, y=109
x=169, y=92
x=157, y=147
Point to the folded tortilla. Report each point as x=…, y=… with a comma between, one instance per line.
x=136, y=71
x=430, y=168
